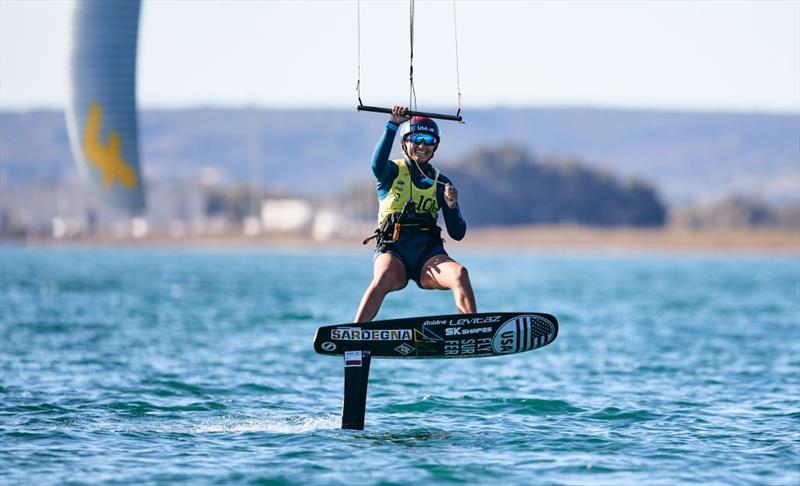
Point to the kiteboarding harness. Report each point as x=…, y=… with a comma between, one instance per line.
x=398, y=211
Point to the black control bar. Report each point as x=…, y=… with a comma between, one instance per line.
x=438, y=116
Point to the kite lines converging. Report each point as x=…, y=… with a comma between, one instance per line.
x=412, y=94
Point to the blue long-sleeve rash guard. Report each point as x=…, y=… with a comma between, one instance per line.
x=386, y=171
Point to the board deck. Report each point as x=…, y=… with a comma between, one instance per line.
x=446, y=336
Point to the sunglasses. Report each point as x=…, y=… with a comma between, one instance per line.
x=423, y=139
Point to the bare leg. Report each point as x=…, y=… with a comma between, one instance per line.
x=388, y=274
x=442, y=272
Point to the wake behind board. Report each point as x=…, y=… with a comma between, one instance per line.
x=446, y=336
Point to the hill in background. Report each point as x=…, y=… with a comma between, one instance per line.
x=508, y=186
x=689, y=157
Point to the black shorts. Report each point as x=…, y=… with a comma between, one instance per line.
x=413, y=249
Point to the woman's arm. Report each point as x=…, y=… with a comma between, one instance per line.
x=384, y=169
x=456, y=226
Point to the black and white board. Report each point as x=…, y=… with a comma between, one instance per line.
x=447, y=336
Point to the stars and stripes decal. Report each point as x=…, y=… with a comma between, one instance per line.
x=352, y=358
x=523, y=333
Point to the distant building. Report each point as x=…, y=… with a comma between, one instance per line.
x=286, y=215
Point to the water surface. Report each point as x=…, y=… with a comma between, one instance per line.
x=162, y=366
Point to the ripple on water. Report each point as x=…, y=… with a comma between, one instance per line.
x=614, y=414
x=414, y=435
x=142, y=408
x=534, y=406
x=521, y=406
x=268, y=423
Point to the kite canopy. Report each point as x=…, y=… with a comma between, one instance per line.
x=101, y=109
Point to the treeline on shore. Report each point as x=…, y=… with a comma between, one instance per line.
x=508, y=186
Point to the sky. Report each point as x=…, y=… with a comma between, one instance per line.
x=678, y=55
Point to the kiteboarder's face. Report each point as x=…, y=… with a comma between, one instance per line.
x=419, y=152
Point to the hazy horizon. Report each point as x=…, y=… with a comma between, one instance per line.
x=442, y=109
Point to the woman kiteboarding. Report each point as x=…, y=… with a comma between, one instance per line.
x=410, y=193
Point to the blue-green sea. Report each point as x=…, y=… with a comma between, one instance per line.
x=164, y=366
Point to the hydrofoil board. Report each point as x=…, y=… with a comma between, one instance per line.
x=446, y=336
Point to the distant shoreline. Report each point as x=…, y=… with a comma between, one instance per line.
x=669, y=239
x=533, y=238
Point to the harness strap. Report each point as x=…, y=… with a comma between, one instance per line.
x=389, y=231
x=376, y=235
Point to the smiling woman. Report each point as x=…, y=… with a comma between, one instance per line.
x=411, y=192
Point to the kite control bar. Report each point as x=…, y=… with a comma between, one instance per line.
x=438, y=116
